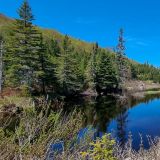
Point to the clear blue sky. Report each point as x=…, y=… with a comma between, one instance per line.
x=100, y=20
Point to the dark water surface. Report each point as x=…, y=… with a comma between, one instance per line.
x=138, y=116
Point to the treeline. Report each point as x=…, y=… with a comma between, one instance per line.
x=145, y=72
x=43, y=65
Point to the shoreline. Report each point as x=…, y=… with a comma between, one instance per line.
x=139, y=89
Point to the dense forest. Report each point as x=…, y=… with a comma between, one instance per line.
x=40, y=61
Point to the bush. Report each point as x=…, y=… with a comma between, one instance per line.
x=101, y=149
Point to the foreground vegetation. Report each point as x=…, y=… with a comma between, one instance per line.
x=31, y=131
x=28, y=132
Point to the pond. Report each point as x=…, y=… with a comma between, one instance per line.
x=135, y=116
x=108, y=114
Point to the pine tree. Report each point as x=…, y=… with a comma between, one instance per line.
x=68, y=71
x=44, y=70
x=121, y=60
x=106, y=72
x=24, y=52
x=90, y=73
x=53, y=48
x=39, y=77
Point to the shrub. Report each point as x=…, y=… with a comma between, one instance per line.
x=101, y=149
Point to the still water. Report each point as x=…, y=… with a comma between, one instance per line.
x=135, y=116
x=121, y=118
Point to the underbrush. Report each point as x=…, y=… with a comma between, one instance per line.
x=127, y=153
x=34, y=134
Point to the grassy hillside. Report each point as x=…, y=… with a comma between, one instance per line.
x=5, y=20
x=6, y=23
x=77, y=43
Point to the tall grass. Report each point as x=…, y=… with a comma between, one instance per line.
x=128, y=153
x=35, y=131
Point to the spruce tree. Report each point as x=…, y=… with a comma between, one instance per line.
x=121, y=60
x=106, y=72
x=68, y=71
x=53, y=48
x=45, y=69
x=25, y=48
x=90, y=73
x=39, y=77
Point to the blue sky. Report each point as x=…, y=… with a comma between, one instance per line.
x=100, y=20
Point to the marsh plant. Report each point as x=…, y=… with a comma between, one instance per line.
x=35, y=132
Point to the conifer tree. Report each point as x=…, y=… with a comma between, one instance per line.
x=53, y=48
x=90, y=73
x=25, y=47
x=39, y=78
x=68, y=71
x=133, y=71
x=106, y=72
x=45, y=69
x=121, y=60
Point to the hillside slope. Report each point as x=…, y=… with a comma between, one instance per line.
x=5, y=20
x=6, y=23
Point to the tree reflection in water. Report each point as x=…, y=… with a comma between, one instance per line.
x=102, y=111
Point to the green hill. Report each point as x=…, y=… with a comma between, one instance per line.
x=48, y=33
x=6, y=23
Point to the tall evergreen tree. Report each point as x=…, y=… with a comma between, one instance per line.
x=121, y=60
x=45, y=69
x=90, y=73
x=25, y=49
x=68, y=71
x=39, y=78
x=106, y=72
